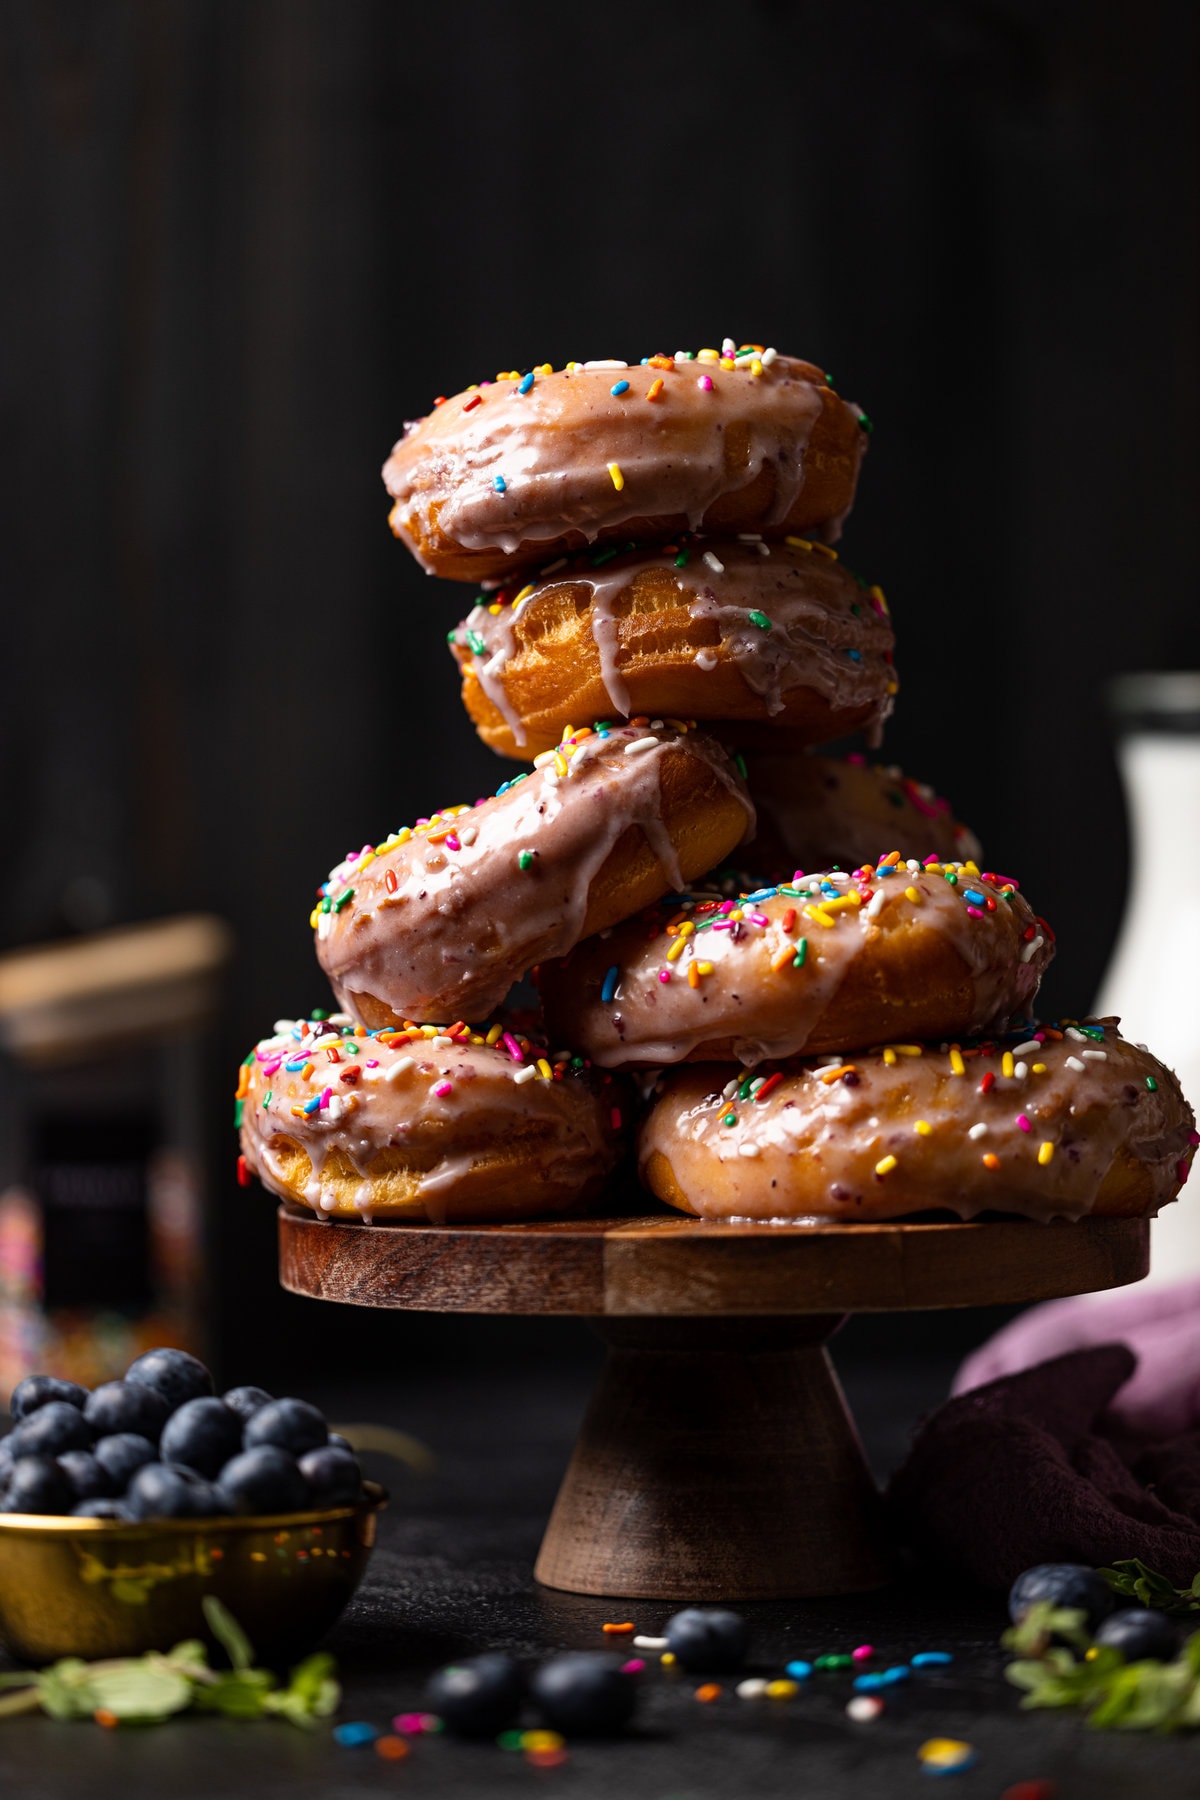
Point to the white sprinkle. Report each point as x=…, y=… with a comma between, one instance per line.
x=547, y=756
x=441, y=1042
x=1073, y=1062
x=749, y=537
x=1020, y=1070
x=1027, y=1049
x=753, y=1689
x=339, y=1019
x=1032, y=948
x=876, y=903
x=1079, y=1036
x=550, y=778
x=649, y=1643
x=335, y=1109
x=656, y=724
x=525, y=1074
x=681, y=356
x=978, y=1131
x=913, y=866
x=713, y=562
x=863, y=1708
x=1094, y=1055
x=606, y=363
x=1141, y=1046
x=399, y=1067
x=748, y=1149
x=468, y=834
x=640, y=744
x=731, y=1088
x=763, y=549
x=285, y=1027
x=704, y=659
x=323, y=1043
x=768, y=357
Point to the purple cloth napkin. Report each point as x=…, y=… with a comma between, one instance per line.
x=1036, y=1467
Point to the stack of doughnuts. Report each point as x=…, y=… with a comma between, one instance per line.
x=793, y=964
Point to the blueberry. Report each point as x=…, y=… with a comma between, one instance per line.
x=288, y=1424
x=89, y=1479
x=6, y=1457
x=1140, y=1634
x=37, y=1485
x=169, y=1491
x=478, y=1696
x=333, y=1476
x=584, y=1691
x=103, y=1509
x=338, y=1442
x=50, y=1430
x=120, y=1406
x=247, y=1400
x=263, y=1480
x=123, y=1455
x=173, y=1374
x=39, y=1390
x=707, y=1640
x=204, y=1434
x=1064, y=1585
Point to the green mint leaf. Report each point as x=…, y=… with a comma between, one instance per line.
x=227, y=1632
x=242, y=1694
x=145, y=1690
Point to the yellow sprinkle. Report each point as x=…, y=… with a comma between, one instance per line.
x=893, y=687
x=910, y=893
x=876, y=593
x=494, y=608
x=727, y=362
x=781, y=1690
x=909, y=1049
x=708, y=356
x=1039, y=1068
x=971, y=868
x=798, y=543
x=524, y=593
x=313, y=917
x=889, y=1057
x=544, y=369
x=705, y=968
x=842, y=902
x=1045, y=1153
x=782, y=958
x=655, y=388
x=756, y=369
x=923, y=1128
x=1007, y=1065
x=667, y=1659
x=957, y=1065
x=820, y=915
x=886, y=1166
x=541, y=1740
x=677, y=949
x=544, y=1069
x=618, y=480
x=560, y=763
x=825, y=550
x=494, y=1035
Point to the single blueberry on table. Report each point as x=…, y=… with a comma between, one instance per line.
x=478, y=1696
x=50, y=1430
x=122, y=1455
x=38, y=1390
x=333, y=1476
x=287, y=1424
x=173, y=1374
x=103, y=1509
x=338, y=1442
x=247, y=1400
x=119, y=1406
x=89, y=1479
x=169, y=1491
x=1065, y=1585
x=1140, y=1634
x=707, y=1639
x=263, y=1480
x=585, y=1692
x=204, y=1434
x=37, y=1485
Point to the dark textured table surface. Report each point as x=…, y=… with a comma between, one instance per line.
x=451, y=1575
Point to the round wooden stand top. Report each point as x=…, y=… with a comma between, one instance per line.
x=674, y=1266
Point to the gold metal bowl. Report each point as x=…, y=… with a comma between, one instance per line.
x=97, y=1588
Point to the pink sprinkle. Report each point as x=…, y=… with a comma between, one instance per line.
x=758, y=918
x=1194, y=1137
x=930, y=859
x=411, y=1724
x=442, y=1088
x=514, y=1049
x=634, y=1666
x=1023, y=1122
x=798, y=875
x=705, y=384
x=452, y=842
x=863, y=1652
x=372, y=1062
x=975, y=912
x=664, y=975
x=352, y=855
x=1040, y=1036
x=616, y=1118
x=723, y=925
x=326, y=1097
x=726, y=906
x=858, y=759
x=269, y=1068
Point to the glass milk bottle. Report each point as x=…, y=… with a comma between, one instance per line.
x=1153, y=979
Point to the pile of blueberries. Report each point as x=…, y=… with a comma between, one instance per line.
x=158, y=1444
x=1138, y=1632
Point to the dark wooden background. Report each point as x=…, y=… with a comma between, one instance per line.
x=242, y=243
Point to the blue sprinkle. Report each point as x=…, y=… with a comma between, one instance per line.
x=973, y=895
x=931, y=1659
x=526, y=383
x=899, y=1672
x=854, y=655
x=619, y=387
x=610, y=984
x=310, y=1106
x=293, y=1066
x=767, y=893
x=890, y=869
x=499, y=483
x=799, y=1671
x=868, y=1684
x=356, y=1732
x=827, y=887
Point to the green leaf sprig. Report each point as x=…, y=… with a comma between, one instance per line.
x=145, y=1690
x=1058, y=1666
x=1134, y=1581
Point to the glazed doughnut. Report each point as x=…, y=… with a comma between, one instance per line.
x=817, y=812
x=516, y=471
x=781, y=636
x=439, y=921
x=1053, y=1123
x=832, y=962
x=426, y=1123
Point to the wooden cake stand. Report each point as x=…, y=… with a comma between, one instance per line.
x=717, y=1460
